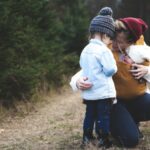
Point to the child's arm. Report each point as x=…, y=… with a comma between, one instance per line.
x=109, y=64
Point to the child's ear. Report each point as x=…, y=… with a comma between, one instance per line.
x=104, y=36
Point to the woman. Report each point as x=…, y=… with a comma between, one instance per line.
x=133, y=100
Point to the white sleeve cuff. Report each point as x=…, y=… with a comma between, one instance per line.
x=74, y=81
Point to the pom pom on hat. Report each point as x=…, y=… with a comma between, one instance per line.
x=106, y=11
x=136, y=26
x=103, y=22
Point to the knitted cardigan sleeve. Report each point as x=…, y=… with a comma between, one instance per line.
x=74, y=79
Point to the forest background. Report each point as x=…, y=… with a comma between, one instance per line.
x=41, y=41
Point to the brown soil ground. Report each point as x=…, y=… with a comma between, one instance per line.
x=54, y=124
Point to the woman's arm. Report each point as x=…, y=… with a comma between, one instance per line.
x=78, y=82
x=74, y=79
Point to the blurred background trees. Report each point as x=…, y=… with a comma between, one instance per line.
x=41, y=40
x=124, y=8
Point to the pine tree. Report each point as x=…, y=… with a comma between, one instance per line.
x=40, y=41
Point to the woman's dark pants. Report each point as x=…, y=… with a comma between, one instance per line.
x=125, y=116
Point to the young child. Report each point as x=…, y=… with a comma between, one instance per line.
x=98, y=64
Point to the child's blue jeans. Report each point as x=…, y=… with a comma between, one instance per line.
x=98, y=110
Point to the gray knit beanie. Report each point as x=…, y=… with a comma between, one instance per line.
x=106, y=11
x=103, y=23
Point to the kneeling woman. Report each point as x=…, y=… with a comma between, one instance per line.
x=133, y=99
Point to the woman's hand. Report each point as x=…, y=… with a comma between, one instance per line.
x=140, y=70
x=82, y=84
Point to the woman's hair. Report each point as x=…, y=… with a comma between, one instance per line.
x=121, y=28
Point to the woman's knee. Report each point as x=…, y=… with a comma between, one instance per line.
x=123, y=127
x=129, y=142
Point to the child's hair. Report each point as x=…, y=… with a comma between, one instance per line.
x=103, y=23
x=92, y=35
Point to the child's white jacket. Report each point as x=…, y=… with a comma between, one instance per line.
x=98, y=64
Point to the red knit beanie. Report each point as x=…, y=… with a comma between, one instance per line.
x=135, y=25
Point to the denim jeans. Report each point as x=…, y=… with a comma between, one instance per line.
x=124, y=118
x=97, y=111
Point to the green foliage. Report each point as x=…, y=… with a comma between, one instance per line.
x=40, y=41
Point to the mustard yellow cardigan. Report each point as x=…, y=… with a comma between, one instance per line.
x=126, y=85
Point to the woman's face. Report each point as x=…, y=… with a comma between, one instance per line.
x=121, y=41
x=115, y=45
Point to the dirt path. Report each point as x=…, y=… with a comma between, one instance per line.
x=49, y=128
x=56, y=125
